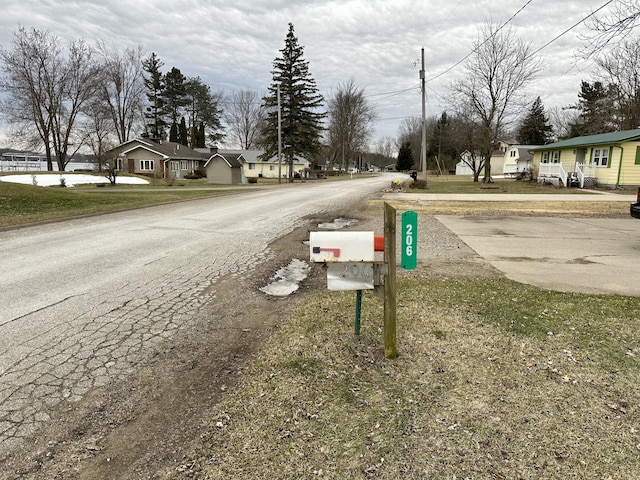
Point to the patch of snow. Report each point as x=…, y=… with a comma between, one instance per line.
x=51, y=179
x=338, y=223
x=287, y=279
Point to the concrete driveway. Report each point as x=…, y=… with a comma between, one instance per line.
x=584, y=255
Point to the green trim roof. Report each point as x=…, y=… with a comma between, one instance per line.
x=600, y=139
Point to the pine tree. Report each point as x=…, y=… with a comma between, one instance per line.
x=201, y=136
x=535, y=128
x=154, y=83
x=596, y=104
x=300, y=101
x=174, y=94
x=183, y=137
x=203, y=113
x=405, y=157
x=173, y=133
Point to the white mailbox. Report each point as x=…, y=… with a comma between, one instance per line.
x=350, y=247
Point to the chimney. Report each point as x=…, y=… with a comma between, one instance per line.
x=213, y=150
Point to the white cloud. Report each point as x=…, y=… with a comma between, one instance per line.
x=231, y=45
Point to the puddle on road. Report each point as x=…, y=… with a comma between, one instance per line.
x=287, y=279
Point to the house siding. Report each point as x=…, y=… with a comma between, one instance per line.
x=630, y=171
x=138, y=156
x=623, y=162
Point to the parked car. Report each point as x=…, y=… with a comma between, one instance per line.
x=634, y=208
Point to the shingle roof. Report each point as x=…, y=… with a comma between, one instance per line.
x=169, y=150
x=234, y=160
x=600, y=139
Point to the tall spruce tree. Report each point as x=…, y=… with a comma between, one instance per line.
x=183, y=136
x=596, y=105
x=405, y=157
x=154, y=83
x=202, y=113
x=174, y=95
x=535, y=128
x=300, y=103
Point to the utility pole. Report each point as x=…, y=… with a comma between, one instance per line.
x=279, y=139
x=423, y=150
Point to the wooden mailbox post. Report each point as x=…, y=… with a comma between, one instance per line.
x=350, y=260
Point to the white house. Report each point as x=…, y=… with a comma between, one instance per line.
x=255, y=167
x=518, y=159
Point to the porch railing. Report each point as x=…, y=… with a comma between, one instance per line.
x=554, y=170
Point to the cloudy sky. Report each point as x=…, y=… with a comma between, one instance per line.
x=231, y=44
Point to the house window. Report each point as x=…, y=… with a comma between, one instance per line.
x=119, y=166
x=555, y=157
x=174, y=165
x=147, y=165
x=512, y=153
x=184, y=165
x=601, y=157
x=271, y=167
x=637, y=162
x=252, y=166
x=545, y=157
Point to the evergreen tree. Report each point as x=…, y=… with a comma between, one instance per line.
x=183, y=137
x=174, y=94
x=203, y=113
x=405, y=157
x=596, y=104
x=201, y=141
x=301, y=122
x=173, y=133
x=535, y=128
x=154, y=83
x=442, y=145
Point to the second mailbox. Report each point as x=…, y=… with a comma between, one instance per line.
x=330, y=247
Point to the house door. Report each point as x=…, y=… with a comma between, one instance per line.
x=131, y=165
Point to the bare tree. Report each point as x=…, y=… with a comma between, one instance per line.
x=467, y=136
x=562, y=119
x=410, y=130
x=620, y=69
x=498, y=70
x=610, y=27
x=386, y=146
x=25, y=70
x=244, y=116
x=49, y=88
x=350, y=123
x=123, y=87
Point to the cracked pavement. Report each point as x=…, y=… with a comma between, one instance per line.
x=85, y=301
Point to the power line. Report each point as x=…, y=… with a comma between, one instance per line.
x=537, y=51
x=391, y=94
x=570, y=28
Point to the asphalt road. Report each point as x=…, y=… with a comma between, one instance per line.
x=83, y=302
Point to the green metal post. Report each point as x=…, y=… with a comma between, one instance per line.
x=358, y=310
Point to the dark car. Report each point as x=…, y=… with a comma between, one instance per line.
x=634, y=208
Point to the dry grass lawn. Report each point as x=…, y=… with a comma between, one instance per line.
x=495, y=380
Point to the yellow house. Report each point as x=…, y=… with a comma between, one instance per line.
x=607, y=159
x=254, y=167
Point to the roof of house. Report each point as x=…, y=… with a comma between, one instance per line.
x=588, y=140
x=250, y=156
x=234, y=160
x=169, y=150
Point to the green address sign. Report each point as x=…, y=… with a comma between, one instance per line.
x=409, y=258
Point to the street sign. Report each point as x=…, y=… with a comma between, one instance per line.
x=409, y=258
